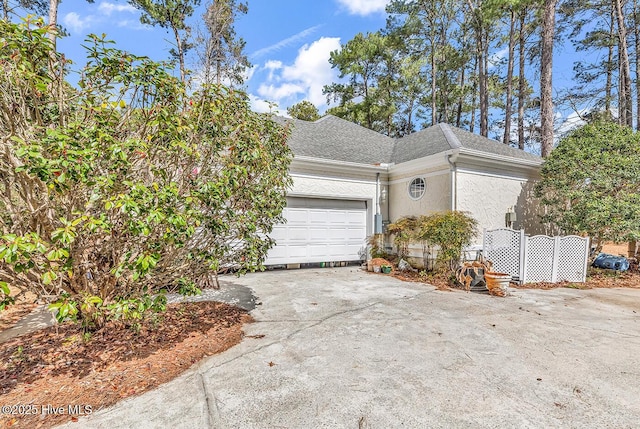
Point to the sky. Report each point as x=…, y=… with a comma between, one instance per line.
x=288, y=42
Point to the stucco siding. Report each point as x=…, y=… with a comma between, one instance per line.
x=487, y=197
x=437, y=196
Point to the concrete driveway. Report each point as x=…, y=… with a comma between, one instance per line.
x=346, y=349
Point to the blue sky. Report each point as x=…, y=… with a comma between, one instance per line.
x=288, y=41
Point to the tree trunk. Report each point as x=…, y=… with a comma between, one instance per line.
x=484, y=81
x=433, y=83
x=509, y=104
x=521, y=79
x=474, y=94
x=608, y=89
x=183, y=73
x=53, y=21
x=626, y=103
x=546, y=78
x=461, y=100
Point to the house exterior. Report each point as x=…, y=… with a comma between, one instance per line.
x=349, y=181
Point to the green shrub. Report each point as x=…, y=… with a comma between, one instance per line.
x=450, y=232
x=127, y=184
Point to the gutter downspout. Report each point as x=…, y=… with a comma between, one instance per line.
x=378, y=217
x=454, y=179
x=377, y=193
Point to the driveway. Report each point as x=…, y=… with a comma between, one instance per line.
x=346, y=349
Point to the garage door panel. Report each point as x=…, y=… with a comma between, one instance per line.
x=353, y=234
x=317, y=235
x=355, y=217
x=297, y=251
x=296, y=216
x=318, y=216
x=279, y=233
x=319, y=230
x=318, y=250
x=338, y=217
x=278, y=252
x=298, y=233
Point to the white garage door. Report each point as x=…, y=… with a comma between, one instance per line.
x=319, y=230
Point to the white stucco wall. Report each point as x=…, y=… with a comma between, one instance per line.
x=487, y=197
x=437, y=196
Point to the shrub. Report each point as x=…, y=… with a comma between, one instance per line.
x=404, y=232
x=590, y=184
x=127, y=185
x=450, y=231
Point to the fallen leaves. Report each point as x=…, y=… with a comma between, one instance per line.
x=116, y=363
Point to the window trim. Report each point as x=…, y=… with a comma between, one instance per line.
x=413, y=183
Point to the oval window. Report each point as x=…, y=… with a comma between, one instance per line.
x=417, y=187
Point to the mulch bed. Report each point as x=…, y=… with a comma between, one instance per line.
x=596, y=278
x=60, y=366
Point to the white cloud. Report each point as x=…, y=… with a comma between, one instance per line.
x=133, y=24
x=287, y=84
x=248, y=73
x=312, y=69
x=262, y=106
x=273, y=92
x=103, y=13
x=77, y=23
x=285, y=42
x=364, y=7
x=107, y=8
x=571, y=122
x=273, y=65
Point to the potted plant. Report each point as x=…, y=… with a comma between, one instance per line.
x=386, y=269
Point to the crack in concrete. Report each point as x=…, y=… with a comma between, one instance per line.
x=213, y=413
x=310, y=324
x=295, y=332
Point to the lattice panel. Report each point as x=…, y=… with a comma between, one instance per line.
x=572, y=260
x=539, y=259
x=503, y=248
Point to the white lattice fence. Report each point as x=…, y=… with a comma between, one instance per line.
x=539, y=255
x=539, y=258
x=504, y=247
x=555, y=259
x=573, y=259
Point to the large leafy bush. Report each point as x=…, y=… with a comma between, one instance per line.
x=125, y=184
x=590, y=184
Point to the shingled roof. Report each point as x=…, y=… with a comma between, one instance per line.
x=333, y=138
x=337, y=139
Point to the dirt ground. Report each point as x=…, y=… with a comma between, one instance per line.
x=62, y=367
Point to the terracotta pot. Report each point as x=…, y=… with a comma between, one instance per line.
x=497, y=280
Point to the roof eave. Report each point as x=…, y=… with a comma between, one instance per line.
x=493, y=158
x=307, y=161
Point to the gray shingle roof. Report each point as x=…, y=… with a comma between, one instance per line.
x=473, y=141
x=337, y=139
